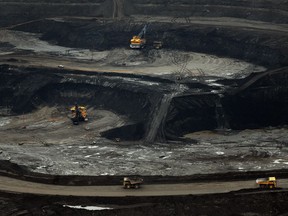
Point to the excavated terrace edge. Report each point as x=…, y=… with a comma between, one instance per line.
x=12, y=170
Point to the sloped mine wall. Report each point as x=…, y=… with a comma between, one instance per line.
x=191, y=113
x=26, y=90
x=269, y=11
x=267, y=48
x=17, y=90
x=23, y=11
x=264, y=10
x=262, y=103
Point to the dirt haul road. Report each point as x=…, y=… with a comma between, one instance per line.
x=19, y=186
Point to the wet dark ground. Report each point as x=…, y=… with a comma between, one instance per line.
x=246, y=202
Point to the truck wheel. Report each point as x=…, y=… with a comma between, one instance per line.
x=137, y=186
x=128, y=186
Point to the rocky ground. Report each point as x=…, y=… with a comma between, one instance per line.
x=219, y=204
x=46, y=142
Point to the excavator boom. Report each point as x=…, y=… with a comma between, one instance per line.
x=139, y=41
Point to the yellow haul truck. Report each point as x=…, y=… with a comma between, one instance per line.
x=269, y=182
x=132, y=182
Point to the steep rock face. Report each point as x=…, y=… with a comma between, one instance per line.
x=17, y=92
x=262, y=101
x=24, y=91
x=191, y=113
x=156, y=113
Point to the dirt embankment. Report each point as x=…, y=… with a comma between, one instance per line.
x=10, y=169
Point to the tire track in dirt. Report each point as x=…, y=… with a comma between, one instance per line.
x=118, y=8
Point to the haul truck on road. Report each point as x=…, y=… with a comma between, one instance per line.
x=132, y=182
x=269, y=182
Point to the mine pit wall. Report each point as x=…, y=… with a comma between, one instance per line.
x=264, y=10
x=262, y=103
x=191, y=113
x=268, y=11
x=134, y=105
x=240, y=44
x=17, y=90
x=266, y=48
x=20, y=11
x=26, y=90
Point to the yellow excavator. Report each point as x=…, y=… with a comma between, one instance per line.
x=79, y=113
x=139, y=41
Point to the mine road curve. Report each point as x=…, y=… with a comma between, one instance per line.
x=19, y=186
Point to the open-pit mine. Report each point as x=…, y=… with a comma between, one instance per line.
x=197, y=107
